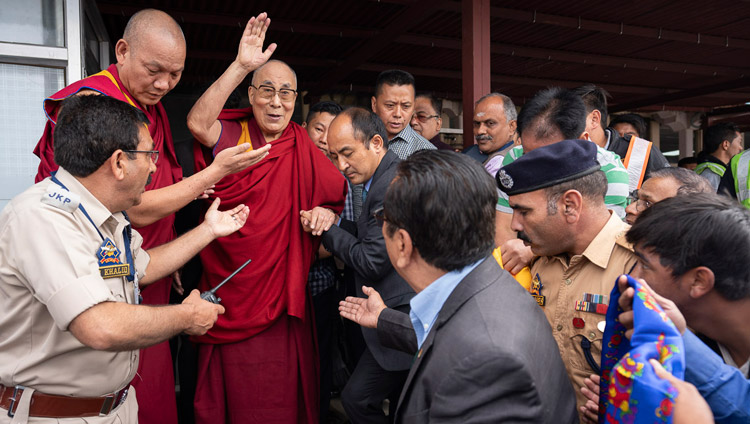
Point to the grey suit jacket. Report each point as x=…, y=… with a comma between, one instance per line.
x=489, y=358
x=365, y=253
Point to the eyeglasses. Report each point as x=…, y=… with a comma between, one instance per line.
x=640, y=204
x=379, y=215
x=154, y=153
x=423, y=117
x=267, y=92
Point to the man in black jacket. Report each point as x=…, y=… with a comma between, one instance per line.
x=357, y=144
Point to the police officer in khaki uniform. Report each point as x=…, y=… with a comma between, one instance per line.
x=71, y=269
x=557, y=195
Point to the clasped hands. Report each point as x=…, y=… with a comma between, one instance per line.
x=317, y=220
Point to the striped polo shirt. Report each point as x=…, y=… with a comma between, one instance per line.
x=617, y=180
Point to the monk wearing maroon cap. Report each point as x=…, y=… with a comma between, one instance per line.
x=150, y=60
x=260, y=362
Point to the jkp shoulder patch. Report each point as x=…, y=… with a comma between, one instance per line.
x=60, y=198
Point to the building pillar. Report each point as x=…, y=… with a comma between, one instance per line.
x=686, y=142
x=475, y=59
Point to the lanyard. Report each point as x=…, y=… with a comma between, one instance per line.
x=126, y=236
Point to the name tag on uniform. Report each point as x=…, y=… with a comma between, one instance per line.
x=110, y=265
x=60, y=198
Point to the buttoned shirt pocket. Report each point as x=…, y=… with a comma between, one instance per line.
x=585, y=343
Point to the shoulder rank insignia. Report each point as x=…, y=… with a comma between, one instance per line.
x=536, y=290
x=109, y=261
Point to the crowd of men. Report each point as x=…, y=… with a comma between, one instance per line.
x=366, y=215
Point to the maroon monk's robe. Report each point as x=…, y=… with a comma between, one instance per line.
x=260, y=359
x=154, y=382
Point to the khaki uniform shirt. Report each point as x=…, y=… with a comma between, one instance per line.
x=49, y=274
x=563, y=283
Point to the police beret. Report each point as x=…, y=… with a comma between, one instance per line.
x=547, y=166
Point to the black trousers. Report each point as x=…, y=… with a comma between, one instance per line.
x=368, y=387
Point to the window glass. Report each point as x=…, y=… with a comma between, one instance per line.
x=22, y=89
x=32, y=22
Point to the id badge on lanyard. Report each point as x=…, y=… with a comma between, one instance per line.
x=108, y=255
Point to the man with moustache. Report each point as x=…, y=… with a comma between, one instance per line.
x=260, y=363
x=71, y=269
x=150, y=60
x=557, y=193
x=494, y=128
x=393, y=102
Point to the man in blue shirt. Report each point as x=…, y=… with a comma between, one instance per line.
x=694, y=251
x=484, y=350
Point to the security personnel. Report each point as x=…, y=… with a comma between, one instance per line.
x=557, y=196
x=722, y=142
x=71, y=269
x=737, y=182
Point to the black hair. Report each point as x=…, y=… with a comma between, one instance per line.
x=690, y=182
x=446, y=202
x=365, y=125
x=703, y=229
x=324, y=107
x=716, y=134
x=552, y=109
x=592, y=186
x=635, y=120
x=393, y=77
x=90, y=128
x=594, y=98
x=436, y=103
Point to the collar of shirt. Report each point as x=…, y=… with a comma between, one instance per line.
x=96, y=210
x=600, y=249
x=730, y=361
x=407, y=135
x=368, y=183
x=426, y=305
x=608, y=132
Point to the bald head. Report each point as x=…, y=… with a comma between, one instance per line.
x=273, y=66
x=151, y=22
x=150, y=56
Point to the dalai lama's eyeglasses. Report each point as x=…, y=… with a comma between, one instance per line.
x=267, y=92
x=154, y=153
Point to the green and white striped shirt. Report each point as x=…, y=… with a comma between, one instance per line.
x=617, y=179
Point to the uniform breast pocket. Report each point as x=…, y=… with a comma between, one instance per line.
x=586, y=342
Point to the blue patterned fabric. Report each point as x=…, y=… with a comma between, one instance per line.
x=631, y=392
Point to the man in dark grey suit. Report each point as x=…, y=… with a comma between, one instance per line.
x=357, y=143
x=485, y=351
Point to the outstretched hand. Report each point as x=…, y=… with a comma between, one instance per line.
x=250, y=54
x=364, y=312
x=223, y=223
x=237, y=158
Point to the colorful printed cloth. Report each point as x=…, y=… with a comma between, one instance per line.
x=631, y=392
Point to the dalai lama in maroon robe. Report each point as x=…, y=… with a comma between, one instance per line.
x=150, y=60
x=259, y=363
